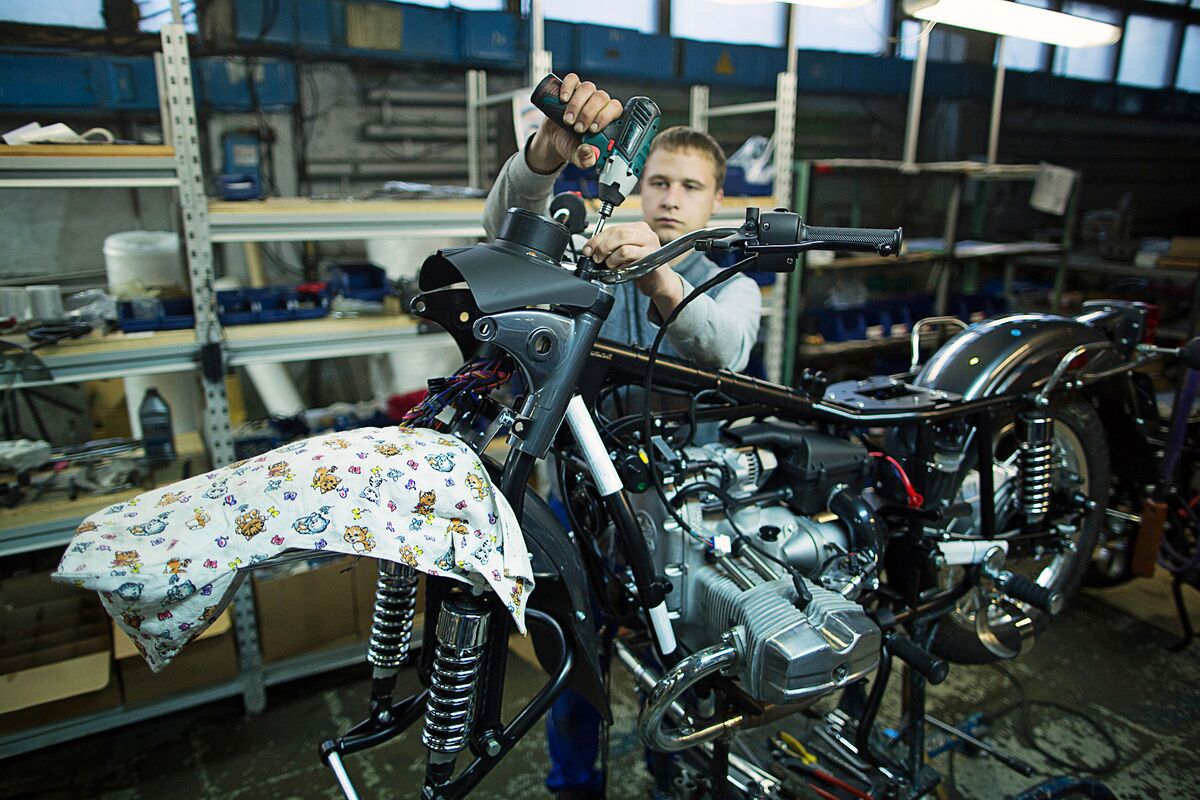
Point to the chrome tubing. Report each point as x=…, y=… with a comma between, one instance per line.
x=1064, y=363
x=665, y=695
x=645, y=266
x=392, y=623
x=449, y=712
x=915, y=336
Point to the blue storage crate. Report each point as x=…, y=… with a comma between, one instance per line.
x=622, y=51
x=490, y=37
x=166, y=314
x=842, y=325
x=560, y=40
x=736, y=185
x=359, y=281
x=265, y=21
x=269, y=304
x=314, y=23
x=224, y=83
x=46, y=82
x=730, y=64
x=125, y=83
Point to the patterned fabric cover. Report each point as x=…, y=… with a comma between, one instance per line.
x=167, y=562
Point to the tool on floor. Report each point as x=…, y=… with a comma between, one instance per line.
x=960, y=732
x=621, y=148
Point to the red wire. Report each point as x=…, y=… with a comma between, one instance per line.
x=915, y=500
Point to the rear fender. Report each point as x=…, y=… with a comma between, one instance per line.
x=1009, y=354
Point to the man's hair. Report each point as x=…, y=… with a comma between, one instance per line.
x=681, y=137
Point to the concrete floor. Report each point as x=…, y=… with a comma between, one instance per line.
x=1096, y=658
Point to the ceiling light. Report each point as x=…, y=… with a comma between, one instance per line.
x=1007, y=18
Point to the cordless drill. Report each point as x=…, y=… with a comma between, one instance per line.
x=621, y=148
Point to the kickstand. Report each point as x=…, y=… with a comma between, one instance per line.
x=1184, y=619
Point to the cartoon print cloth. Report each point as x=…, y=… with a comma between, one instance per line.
x=167, y=562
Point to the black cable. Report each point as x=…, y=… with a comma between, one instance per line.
x=648, y=416
x=1025, y=729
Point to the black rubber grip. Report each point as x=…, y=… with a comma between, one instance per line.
x=1021, y=588
x=884, y=241
x=933, y=668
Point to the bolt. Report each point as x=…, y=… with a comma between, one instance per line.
x=766, y=226
x=791, y=261
x=419, y=306
x=579, y=615
x=491, y=746
x=841, y=672
x=938, y=560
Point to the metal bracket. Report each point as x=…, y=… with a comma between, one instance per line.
x=915, y=336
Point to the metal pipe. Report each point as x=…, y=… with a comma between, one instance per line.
x=997, y=102
x=736, y=573
x=915, y=96
x=667, y=691
x=737, y=109
x=915, y=336
x=760, y=564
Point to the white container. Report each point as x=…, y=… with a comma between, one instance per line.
x=14, y=302
x=150, y=259
x=401, y=258
x=45, y=302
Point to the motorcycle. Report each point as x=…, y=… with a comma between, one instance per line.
x=942, y=515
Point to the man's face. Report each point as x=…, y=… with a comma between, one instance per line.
x=679, y=192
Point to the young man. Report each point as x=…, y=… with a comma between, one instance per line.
x=680, y=189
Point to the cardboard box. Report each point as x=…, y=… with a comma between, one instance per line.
x=307, y=611
x=1186, y=247
x=210, y=659
x=55, y=646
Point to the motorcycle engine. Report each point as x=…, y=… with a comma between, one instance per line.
x=771, y=482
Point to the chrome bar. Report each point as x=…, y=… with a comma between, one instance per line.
x=661, y=256
x=915, y=336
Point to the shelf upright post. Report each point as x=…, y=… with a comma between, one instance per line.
x=181, y=105
x=698, y=108
x=778, y=323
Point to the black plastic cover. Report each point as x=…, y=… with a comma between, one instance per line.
x=818, y=463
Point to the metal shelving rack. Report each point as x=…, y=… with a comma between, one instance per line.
x=207, y=349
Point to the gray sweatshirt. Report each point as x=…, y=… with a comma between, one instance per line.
x=716, y=330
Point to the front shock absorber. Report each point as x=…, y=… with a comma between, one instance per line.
x=1035, y=432
x=462, y=639
x=391, y=632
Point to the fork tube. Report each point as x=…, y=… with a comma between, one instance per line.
x=630, y=537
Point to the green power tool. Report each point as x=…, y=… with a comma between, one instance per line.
x=621, y=148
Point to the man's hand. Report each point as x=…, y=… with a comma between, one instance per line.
x=618, y=246
x=588, y=110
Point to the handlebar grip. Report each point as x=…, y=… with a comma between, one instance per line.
x=884, y=241
x=933, y=668
x=1021, y=588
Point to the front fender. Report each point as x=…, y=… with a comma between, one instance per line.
x=562, y=591
x=1009, y=354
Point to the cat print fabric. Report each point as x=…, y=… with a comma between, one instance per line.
x=166, y=562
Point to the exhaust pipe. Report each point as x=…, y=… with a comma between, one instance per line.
x=664, y=695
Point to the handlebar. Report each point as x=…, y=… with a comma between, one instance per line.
x=776, y=237
x=884, y=241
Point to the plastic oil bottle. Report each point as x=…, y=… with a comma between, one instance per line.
x=158, y=437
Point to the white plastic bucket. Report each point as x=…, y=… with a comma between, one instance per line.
x=150, y=259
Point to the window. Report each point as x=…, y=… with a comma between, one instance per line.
x=640, y=15
x=1088, y=63
x=846, y=30
x=944, y=43
x=1145, y=51
x=1026, y=54
x=707, y=20
x=1189, y=61
x=70, y=13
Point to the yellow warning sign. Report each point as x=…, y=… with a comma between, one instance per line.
x=724, y=64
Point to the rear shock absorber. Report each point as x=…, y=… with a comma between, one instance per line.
x=1035, y=432
x=462, y=639
x=391, y=631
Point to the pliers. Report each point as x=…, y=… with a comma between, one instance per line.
x=796, y=757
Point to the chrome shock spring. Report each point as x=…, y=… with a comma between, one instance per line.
x=1035, y=431
x=392, y=623
x=449, y=712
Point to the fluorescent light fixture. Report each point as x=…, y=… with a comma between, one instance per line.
x=1007, y=18
x=815, y=3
